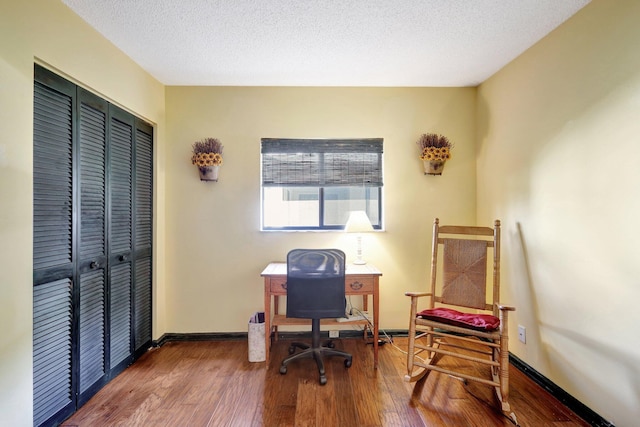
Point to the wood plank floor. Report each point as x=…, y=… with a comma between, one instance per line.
x=211, y=383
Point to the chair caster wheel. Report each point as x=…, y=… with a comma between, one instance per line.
x=347, y=363
x=323, y=380
x=283, y=370
x=292, y=349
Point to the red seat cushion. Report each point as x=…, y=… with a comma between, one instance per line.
x=480, y=322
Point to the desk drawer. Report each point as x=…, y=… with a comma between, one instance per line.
x=359, y=285
x=353, y=285
x=279, y=285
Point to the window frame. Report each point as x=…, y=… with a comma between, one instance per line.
x=376, y=186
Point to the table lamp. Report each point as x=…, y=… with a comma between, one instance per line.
x=359, y=223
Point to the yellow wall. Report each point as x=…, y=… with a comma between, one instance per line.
x=49, y=33
x=558, y=162
x=216, y=252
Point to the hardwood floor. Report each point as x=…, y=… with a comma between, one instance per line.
x=211, y=383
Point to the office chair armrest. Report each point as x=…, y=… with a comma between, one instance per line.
x=418, y=294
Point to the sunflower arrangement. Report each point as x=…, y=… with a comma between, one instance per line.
x=207, y=152
x=434, y=147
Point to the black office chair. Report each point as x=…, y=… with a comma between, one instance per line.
x=315, y=290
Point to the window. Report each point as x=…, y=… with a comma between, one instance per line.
x=313, y=184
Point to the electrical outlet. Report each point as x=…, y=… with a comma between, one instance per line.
x=334, y=334
x=522, y=334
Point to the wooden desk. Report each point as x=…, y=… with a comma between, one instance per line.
x=360, y=280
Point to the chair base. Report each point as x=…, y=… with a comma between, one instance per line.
x=317, y=354
x=315, y=351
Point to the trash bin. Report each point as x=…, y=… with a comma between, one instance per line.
x=257, y=351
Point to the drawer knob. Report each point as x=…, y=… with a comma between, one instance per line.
x=356, y=286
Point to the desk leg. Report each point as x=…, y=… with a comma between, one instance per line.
x=267, y=319
x=365, y=308
x=376, y=313
x=276, y=310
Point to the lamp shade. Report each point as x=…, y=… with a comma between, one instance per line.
x=358, y=222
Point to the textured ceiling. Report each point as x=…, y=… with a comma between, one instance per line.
x=324, y=42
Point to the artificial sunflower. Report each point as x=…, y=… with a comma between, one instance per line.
x=434, y=147
x=207, y=152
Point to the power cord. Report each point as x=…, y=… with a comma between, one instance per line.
x=389, y=339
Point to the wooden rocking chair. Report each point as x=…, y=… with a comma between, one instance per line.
x=458, y=320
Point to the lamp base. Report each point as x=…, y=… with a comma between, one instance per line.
x=359, y=260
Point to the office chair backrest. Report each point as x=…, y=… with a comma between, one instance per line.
x=315, y=283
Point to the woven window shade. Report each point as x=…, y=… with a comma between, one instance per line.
x=321, y=162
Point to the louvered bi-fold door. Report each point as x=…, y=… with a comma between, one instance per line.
x=92, y=264
x=53, y=254
x=143, y=233
x=131, y=183
x=92, y=276
x=120, y=241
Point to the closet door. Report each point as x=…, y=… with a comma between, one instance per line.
x=143, y=232
x=120, y=238
x=92, y=250
x=92, y=240
x=53, y=248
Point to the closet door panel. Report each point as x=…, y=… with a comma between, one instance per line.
x=52, y=181
x=120, y=310
x=142, y=305
x=53, y=249
x=143, y=237
x=92, y=264
x=93, y=135
x=92, y=331
x=143, y=189
x=120, y=187
x=120, y=237
x=52, y=383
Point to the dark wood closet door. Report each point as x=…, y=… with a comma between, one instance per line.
x=143, y=237
x=92, y=244
x=92, y=250
x=120, y=237
x=53, y=251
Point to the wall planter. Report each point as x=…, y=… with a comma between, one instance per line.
x=435, y=150
x=433, y=167
x=209, y=173
x=207, y=156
